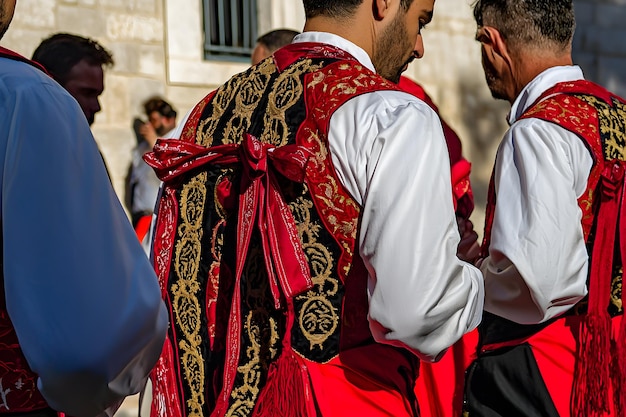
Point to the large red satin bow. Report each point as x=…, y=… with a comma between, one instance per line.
x=260, y=201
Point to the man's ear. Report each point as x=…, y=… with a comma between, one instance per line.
x=498, y=45
x=380, y=8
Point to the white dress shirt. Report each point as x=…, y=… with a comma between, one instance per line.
x=82, y=296
x=537, y=268
x=389, y=152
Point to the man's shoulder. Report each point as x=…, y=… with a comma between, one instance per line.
x=16, y=75
x=15, y=67
x=18, y=78
x=383, y=101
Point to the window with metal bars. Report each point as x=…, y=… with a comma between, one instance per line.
x=230, y=29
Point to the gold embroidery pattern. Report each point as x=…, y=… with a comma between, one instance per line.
x=260, y=339
x=612, y=126
x=285, y=93
x=318, y=318
x=616, y=290
x=185, y=303
x=568, y=110
x=256, y=349
x=336, y=207
x=241, y=93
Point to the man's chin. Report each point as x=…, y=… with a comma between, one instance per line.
x=498, y=95
x=395, y=78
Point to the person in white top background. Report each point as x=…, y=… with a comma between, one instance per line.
x=81, y=318
x=142, y=185
x=307, y=221
x=551, y=338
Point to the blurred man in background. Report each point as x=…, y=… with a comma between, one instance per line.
x=142, y=184
x=77, y=63
x=268, y=43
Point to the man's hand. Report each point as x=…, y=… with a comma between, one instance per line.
x=149, y=134
x=468, y=249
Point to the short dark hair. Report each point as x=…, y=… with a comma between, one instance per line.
x=157, y=104
x=337, y=8
x=530, y=22
x=62, y=51
x=276, y=39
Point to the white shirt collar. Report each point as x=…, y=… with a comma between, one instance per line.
x=542, y=82
x=339, y=42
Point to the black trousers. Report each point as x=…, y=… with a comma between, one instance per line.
x=507, y=383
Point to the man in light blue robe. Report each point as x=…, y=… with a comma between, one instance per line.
x=81, y=319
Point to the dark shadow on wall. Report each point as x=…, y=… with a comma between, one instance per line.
x=598, y=46
x=485, y=123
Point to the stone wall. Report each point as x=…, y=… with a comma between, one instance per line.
x=599, y=44
x=133, y=31
x=157, y=46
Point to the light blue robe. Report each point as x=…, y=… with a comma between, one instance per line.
x=81, y=293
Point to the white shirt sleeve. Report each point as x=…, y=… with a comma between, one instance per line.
x=81, y=294
x=389, y=151
x=537, y=268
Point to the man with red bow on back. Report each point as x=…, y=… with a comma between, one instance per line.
x=303, y=275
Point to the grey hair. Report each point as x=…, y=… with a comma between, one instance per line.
x=541, y=23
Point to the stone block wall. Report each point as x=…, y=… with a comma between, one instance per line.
x=600, y=42
x=133, y=31
x=157, y=46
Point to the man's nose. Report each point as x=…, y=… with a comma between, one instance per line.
x=418, y=51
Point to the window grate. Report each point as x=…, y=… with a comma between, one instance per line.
x=230, y=29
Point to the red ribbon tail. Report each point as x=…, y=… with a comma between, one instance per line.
x=248, y=206
x=289, y=259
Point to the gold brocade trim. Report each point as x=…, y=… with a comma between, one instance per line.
x=612, y=126
x=341, y=212
x=244, y=396
x=616, y=290
x=318, y=318
x=185, y=304
x=330, y=195
x=284, y=94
